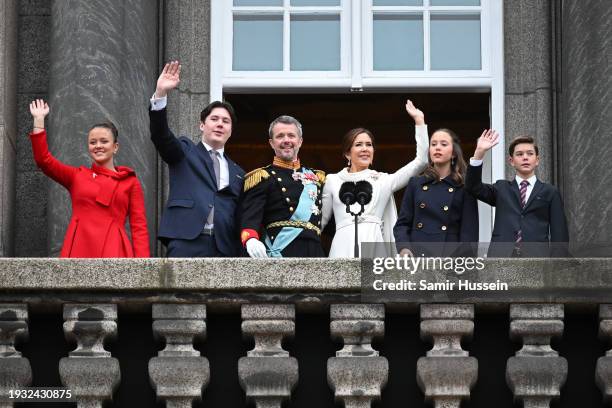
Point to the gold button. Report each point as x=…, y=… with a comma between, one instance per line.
x=284, y=189
x=288, y=200
x=450, y=189
x=291, y=209
x=425, y=188
x=422, y=205
x=445, y=208
x=279, y=179
x=273, y=172
x=443, y=228
x=420, y=225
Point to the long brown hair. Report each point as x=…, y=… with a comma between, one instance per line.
x=458, y=165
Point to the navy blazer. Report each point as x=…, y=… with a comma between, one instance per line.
x=193, y=189
x=434, y=215
x=542, y=220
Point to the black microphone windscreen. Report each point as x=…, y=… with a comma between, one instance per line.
x=363, y=191
x=347, y=193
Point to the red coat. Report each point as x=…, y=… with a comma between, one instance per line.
x=101, y=201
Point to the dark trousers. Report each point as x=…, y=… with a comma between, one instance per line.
x=204, y=246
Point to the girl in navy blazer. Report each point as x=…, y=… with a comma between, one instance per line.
x=438, y=217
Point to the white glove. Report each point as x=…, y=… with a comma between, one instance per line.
x=256, y=248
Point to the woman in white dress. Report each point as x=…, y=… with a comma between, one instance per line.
x=377, y=221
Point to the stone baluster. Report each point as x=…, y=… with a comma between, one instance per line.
x=267, y=374
x=536, y=373
x=603, y=372
x=90, y=372
x=447, y=374
x=179, y=373
x=15, y=370
x=357, y=373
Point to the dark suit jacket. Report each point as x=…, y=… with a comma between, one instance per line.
x=437, y=218
x=193, y=189
x=541, y=222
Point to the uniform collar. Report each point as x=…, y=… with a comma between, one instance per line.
x=286, y=164
x=447, y=180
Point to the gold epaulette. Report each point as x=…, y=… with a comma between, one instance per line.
x=321, y=175
x=254, y=177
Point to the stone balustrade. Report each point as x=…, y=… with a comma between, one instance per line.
x=178, y=293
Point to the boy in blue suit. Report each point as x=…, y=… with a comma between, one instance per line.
x=205, y=184
x=529, y=216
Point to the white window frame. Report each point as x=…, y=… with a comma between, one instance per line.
x=356, y=73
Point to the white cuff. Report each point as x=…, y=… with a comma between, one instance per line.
x=475, y=162
x=158, y=103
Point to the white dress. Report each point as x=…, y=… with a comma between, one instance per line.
x=377, y=221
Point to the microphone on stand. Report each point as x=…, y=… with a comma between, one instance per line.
x=359, y=192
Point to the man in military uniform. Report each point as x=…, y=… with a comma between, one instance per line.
x=281, y=209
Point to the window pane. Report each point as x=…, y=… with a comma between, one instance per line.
x=312, y=3
x=398, y=42
x=455, y=41
x=258, y=43
x=455, y=2
x=315, y=43
x=397, y=2
x=258, y=2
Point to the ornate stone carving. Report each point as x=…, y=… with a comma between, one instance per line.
x=536, y=373
x=267, y=373
x=447, y=374
x=179, y=374
x=15, y=370
x=89, y=371
x=357, y=373
x=603, y=372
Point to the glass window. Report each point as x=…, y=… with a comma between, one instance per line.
x=397, y=3
x=258, y=43
x=455, y=41
x=252, y=3
x=313, y=3
x=315, y=43
x=454, y=2
x=398, y=42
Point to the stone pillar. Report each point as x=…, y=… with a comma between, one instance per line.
x=90, y=372
x=447, y=374
x=15, y=370
x=357, y=373
x=8, y=122
x=536, y=373
x=529, y=78
x=179, y=374
x=267, y=374
x=603, y=372
x=103, y=67
x=586, y=113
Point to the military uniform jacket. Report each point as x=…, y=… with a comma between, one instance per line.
x=272, y=194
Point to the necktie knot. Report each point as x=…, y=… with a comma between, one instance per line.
x=524, y=183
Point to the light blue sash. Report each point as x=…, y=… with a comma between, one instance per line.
x=302, y=213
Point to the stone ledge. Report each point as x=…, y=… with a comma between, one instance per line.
x=573, y=281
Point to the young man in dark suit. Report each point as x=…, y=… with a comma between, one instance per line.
x=205, y=184
x=529, y=216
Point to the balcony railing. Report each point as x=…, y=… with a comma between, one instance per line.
x=180, y=292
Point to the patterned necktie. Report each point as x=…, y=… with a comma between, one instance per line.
x=214, y=155
x=523, y=194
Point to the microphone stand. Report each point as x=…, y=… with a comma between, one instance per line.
x=356, y=215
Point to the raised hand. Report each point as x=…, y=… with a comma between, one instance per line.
x=168, y=79
x=415, y=113
x=486, y=141
x=39, y=109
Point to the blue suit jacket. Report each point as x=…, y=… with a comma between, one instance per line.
x=542, y=221
x=193, y=190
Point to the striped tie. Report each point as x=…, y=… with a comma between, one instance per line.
x=523, y=194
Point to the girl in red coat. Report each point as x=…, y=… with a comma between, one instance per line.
x=102, y=196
